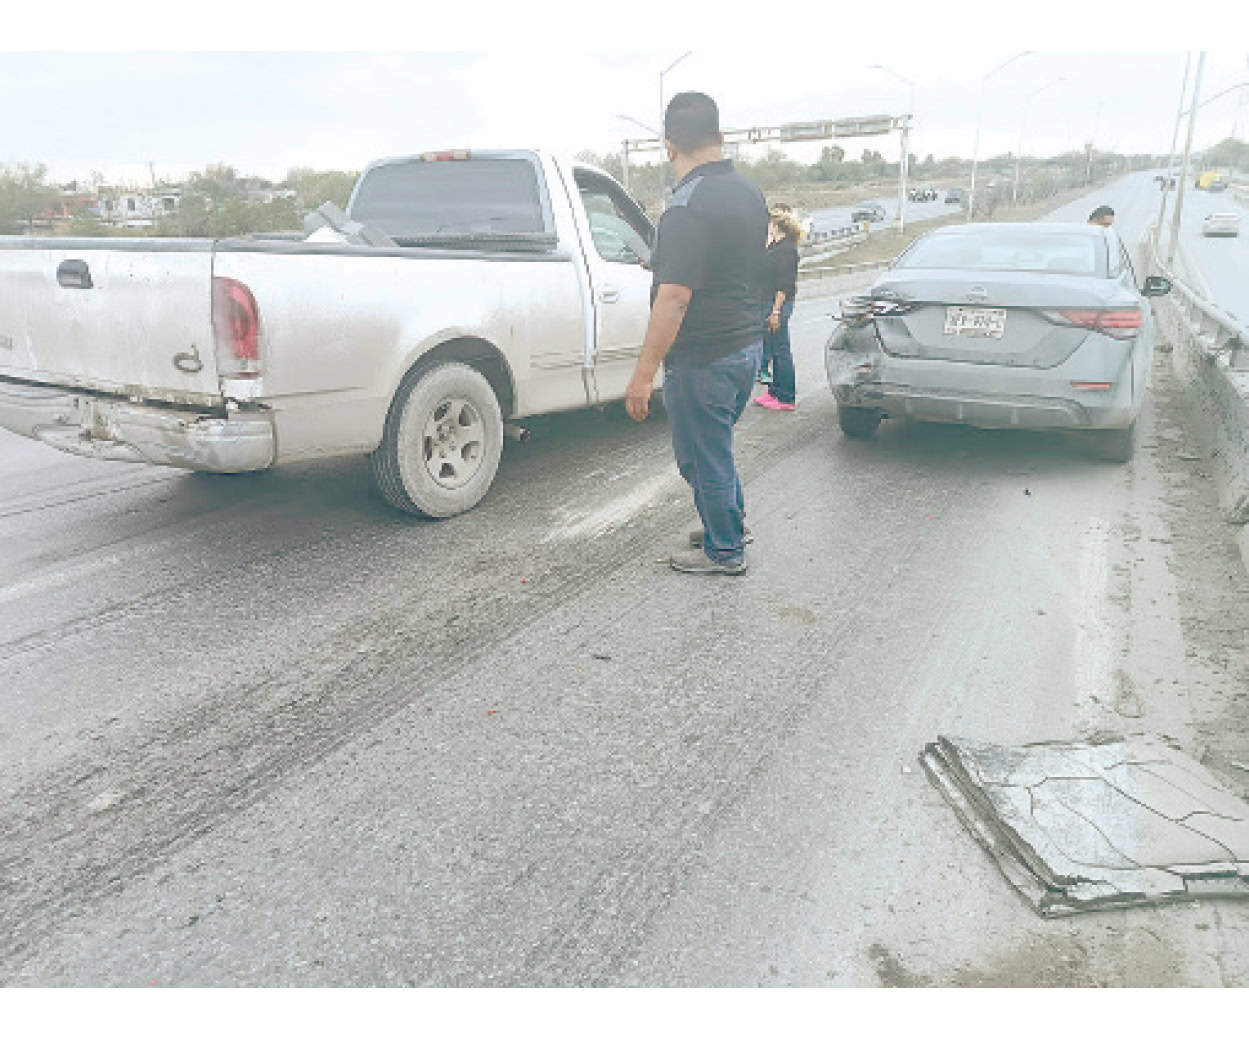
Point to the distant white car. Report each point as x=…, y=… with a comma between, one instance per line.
x=1221, y=224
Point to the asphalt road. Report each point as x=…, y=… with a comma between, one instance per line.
x=837, y=217
x=1222, y=261
x=264, y=730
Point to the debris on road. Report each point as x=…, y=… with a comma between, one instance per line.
x=1095, y=826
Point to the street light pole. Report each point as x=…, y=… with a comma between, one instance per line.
x=1014, y=193
x=1175, y=136
x=975, y=152
x=1188, y=150
x=904, y=162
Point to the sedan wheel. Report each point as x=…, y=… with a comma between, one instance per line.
x=1112, y=445
x=857, y=422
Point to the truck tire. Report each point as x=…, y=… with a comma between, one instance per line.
x=441, y=445
x=857, y=422
x=1112, y=445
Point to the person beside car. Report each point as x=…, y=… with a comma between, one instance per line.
x=781, y=286
x=704, y=326
x=1103, y=216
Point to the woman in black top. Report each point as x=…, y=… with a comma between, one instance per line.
x=780, y=287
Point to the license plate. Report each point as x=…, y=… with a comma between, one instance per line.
x=975, y=321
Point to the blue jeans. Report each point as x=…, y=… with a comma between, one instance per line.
x=776, y=350
x=703, y=402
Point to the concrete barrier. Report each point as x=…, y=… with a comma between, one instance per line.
x=1210, y=356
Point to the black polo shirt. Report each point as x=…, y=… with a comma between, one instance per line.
x=712, y=240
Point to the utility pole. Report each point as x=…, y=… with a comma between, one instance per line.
x=1175, y=136
x=1188, y=150
x=905, y=162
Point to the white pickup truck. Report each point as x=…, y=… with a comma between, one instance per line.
x=469, y=288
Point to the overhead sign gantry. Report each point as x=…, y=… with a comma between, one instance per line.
x=810, y=130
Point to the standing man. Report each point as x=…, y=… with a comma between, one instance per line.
x=704, y=325
x=1103, y=216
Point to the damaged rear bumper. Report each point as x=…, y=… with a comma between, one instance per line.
x=125, y=431
x=860, y=375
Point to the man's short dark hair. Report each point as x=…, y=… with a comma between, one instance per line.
x=692, y=121
x=1101, y=211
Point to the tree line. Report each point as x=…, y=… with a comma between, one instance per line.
x=215, y=202
x=219, y=202
x=777, y=173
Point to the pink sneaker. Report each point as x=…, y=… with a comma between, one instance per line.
x=772, y=404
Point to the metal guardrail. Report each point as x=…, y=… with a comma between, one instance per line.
x=1211, y=329
x=832, y=270
x=1213, y=348
x=837, y=234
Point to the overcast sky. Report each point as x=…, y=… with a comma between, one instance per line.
x=265, y=111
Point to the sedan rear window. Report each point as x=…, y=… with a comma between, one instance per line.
x=1007, y=251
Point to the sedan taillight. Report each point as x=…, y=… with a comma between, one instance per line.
x=1117, y=322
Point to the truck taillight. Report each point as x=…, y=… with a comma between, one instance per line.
x=459, y=155
x=236, y=327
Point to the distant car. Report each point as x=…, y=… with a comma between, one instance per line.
x=1221, y=224
x=1164, y=181
x=924, y=194
x=1020, y=326
x=867, y=211
x=954, y=195
x=1219, y=185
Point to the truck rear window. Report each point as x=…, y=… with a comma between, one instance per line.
x=473, y=196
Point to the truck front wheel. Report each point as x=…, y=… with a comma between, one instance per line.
x=441, y=445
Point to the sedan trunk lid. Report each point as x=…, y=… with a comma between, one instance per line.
x=988, y=317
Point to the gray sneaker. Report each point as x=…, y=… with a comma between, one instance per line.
x=695, y=561
x=696, y=537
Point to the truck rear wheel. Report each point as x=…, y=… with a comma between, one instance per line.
x=441, y=445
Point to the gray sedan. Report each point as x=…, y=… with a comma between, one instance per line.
x=1025, y=326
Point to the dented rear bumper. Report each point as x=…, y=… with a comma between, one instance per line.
x=124, y=431
x=861, y=375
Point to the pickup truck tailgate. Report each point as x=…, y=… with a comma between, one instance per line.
x=132, y=318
